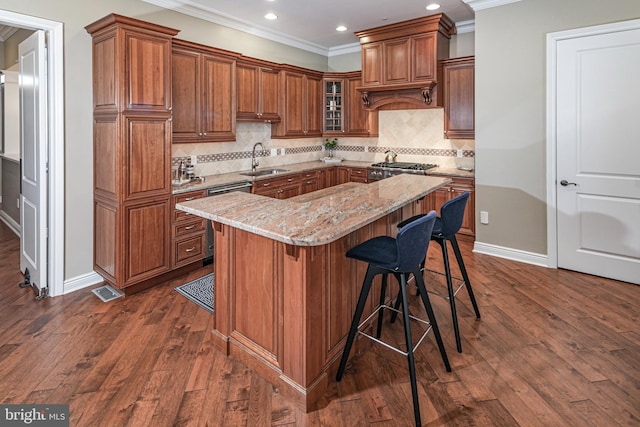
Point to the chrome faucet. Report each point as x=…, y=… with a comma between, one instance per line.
x=254, y=161
x=390, y=156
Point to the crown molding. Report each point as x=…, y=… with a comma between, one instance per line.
x=477, y=5
x=344, y=49
x=217, y=17
x=221, y=18
x=465, y=26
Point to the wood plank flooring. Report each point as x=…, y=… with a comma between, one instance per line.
x=553, y=348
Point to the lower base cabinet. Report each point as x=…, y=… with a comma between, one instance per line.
x=188, y=236
x=459, y=185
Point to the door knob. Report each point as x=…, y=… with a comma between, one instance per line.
x=564, y=183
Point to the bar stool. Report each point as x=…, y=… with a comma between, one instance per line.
x=400, y=257
x=444, y=230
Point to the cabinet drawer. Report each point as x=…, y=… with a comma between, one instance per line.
x=188, y=250
x=184, y=228
x=185, y=197
x=180, y=216
x=265, y=186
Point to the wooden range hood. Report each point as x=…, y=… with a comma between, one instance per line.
x=400, y=68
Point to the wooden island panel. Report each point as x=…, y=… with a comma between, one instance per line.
x=285, y=310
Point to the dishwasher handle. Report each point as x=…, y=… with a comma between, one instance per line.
x=220, y=190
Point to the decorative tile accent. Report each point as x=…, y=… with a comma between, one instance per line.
x=353, y=148
x=421, y=151
x=221, y=157
x=300, y=150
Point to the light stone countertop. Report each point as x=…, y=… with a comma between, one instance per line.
x=236, y=177
x=315, y=218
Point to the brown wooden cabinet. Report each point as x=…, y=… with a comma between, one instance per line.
x=258, y=88
x=281, y=187
x=132, y=152
x=459, y=92
x=300, y=104
x=203, y=87
x=347, y=116
x=403, y=58
x=311, y=181
x=188, y=237
x=459, y=185
x=350, y=174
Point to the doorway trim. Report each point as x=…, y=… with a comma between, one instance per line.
x=552, y=90
x=55, y=125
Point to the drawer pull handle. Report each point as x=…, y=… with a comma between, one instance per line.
x=266, y=185
x=189, y=199
x=190, y=249
x=290, y=179
x=191, y=227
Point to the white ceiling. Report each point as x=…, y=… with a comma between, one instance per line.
x=311, y=25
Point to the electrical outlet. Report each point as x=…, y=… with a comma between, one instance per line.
x=194, y=160
x=484, y=217
x=459, y=152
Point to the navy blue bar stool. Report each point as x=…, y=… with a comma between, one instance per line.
x=444, y=230
x=400, y=256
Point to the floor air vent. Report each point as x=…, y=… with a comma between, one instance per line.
x=107, y=293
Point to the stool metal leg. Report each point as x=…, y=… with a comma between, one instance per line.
x=465, y=277
x=407, y=334
x=362, y=300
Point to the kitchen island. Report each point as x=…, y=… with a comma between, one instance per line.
x=284, y=290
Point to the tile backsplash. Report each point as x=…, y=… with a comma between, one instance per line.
x=415, y=135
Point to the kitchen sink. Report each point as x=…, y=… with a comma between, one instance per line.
x=264, y=172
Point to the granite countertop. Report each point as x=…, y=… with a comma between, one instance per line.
x=315, y=218
x=236, y=177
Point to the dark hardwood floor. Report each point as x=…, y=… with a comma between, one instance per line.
x=553, y=348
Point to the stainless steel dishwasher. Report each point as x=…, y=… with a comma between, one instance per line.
x=216, y=191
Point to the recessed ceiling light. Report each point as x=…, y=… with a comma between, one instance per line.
x=341, y=28
x=271, y=16
x=433, y=6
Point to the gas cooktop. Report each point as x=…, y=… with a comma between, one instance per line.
x=404, y=165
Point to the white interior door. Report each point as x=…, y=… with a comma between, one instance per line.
x=33, y=151
x=598, y=154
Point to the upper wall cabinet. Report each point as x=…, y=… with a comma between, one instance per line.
x=258, y=86
x=344, y=112
x=459, y=90
x=300, y=104
x=400, y=61
x=204, y=84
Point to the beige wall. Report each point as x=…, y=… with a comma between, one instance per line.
x=510, y=48
x=11, y=47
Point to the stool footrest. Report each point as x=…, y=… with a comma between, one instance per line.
x=389, y=346
x=422, y=270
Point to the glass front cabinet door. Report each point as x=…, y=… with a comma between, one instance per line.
x=333, y=106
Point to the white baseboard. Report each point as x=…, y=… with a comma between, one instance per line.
x=14, y=226
x=512, y=254
x=81, y=282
